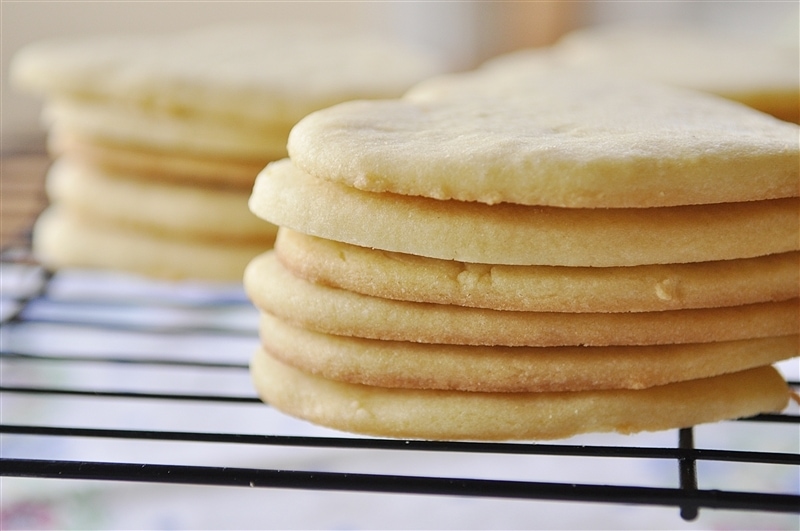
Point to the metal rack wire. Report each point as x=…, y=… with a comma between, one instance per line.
x=35, y=305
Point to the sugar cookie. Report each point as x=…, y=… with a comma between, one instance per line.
x=523, y=235
x=251, y=73
x=457, y=415
x=63, y=239
x=539, y=288
x=511, y=369
x=341, y=312
x=152, y=164
x=564, y=138
x=171, y=209
x=760, y=73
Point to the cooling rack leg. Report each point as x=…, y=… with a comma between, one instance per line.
x=688, y=471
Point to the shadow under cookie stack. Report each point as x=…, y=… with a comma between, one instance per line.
x=529, y=254
x=157, y=139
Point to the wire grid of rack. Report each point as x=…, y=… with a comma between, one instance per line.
x=35, y=307
x=80, y=344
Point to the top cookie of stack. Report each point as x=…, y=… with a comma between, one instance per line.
x=529, y=254
x=160, y=137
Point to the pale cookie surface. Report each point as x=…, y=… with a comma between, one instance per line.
x=523, y=235
x=273, y=73
x=539, y=288
x=169, y=209
x=186, y=134
x=761, y=73
x=274, y=290
x=62, y=239
x=152, y=164
x=456, y=415
x=565, y=137
x=511, y=369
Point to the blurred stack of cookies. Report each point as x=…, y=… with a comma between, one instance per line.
x=158, y=138
x=529, y=254
x=761, y=73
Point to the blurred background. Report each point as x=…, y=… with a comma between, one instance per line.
x=462, y=33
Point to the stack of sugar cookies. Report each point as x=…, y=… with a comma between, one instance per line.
x=158, y=138
x=529, y=255
x=762, y=73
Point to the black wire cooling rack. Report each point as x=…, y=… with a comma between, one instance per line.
x=34, y=369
